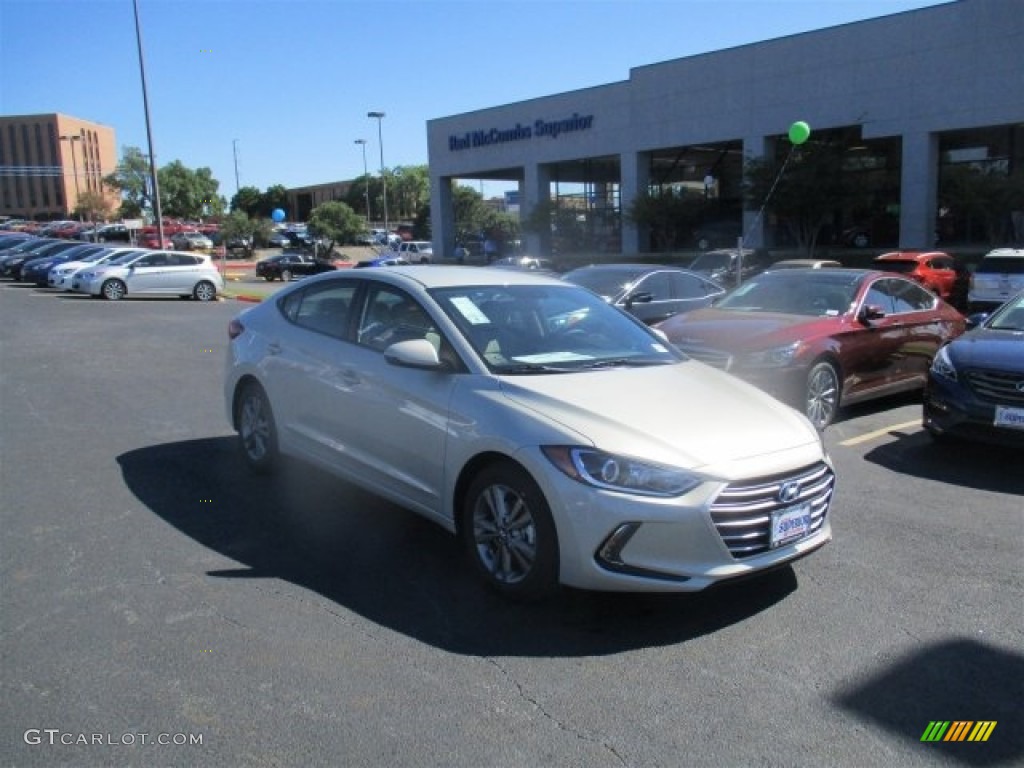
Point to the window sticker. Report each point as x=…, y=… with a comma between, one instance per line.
x=469, y=310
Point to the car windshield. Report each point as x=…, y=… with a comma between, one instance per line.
x=816, y=293
x=1009, y=317
x=604, y=281
x=527, y=329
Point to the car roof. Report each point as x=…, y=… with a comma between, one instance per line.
x=911, y=255
x=429, y=276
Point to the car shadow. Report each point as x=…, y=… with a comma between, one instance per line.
x=872, y=407
x=399, y=570
x=959, y=679
x=966, y=464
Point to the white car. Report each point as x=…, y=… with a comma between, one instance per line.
x=560, y=438
x=188, y=275
x=191, y=241
x=61, y=276
x=998, y=277
x=416, y=251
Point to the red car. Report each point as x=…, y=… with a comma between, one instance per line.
x=935, y=270
x=152, y=240
x=821, y=338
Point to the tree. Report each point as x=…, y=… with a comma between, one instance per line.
x=336, y=222
x=248, y=200
x=238, y=227
x=408, y=190
x=805, y=192
x=131, y=179
x=93, y=205
x=276, y=196
x=669, y=217
x=189, y=194
x=983, y=198
x=468, y=209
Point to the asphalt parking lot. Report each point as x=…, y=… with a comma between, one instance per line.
x=160, y=606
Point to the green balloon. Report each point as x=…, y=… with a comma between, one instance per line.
x=799, y=132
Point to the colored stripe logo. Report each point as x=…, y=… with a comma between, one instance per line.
x=958, y=730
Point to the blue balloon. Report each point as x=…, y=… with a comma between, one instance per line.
x=277, y=215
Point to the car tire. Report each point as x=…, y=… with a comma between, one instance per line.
x=113, y=290
x=509, y=533
x=286, y=275
x=269, y=278
x=205, y=291
x=861, y=241
x=703, y=244
x=257, y=430
x=821, y=396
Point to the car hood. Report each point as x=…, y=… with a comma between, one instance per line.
x=736, y=331
x=687, y=415
x=989, y=348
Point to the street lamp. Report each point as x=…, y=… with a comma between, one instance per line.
x=234, y=146
x=74, y=163
x=383, y=181
x=366, y=180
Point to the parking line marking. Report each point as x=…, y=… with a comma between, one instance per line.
x=879, y=433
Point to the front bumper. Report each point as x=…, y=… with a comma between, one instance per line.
x=719, y=531
x=953, y=409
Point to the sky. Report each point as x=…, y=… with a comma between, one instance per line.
x=285, y=86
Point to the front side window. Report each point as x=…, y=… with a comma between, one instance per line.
x=390, y=316
x=910, y=297
x=657, y=285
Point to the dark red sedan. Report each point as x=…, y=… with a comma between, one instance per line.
x=821, y=338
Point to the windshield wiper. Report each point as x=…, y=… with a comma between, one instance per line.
x=531, y=368
x=623, y=362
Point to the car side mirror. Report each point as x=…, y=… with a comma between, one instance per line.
x=414, y=353
x=973, y=321
x=641, y=297
x=870, y=312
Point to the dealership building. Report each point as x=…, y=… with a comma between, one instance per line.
x=907, y=95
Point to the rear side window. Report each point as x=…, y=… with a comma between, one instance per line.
x=1002, y=265
x=323, y=308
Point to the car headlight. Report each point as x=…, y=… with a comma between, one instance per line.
x=776, y=357
x=620, y=473
x=942, y=366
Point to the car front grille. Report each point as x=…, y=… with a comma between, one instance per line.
x=713, y=357
x=742, y=512
x=997, y=386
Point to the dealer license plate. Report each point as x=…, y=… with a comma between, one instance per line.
x=790, y=524
x=1009, y=417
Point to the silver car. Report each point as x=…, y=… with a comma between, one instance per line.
x=188, y=275
x=560, y=438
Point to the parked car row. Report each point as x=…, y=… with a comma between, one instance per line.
x=110, y=272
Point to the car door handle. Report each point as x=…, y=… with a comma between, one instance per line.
x=273, y=348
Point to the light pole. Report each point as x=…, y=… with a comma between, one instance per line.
x=366, y=181
x=234, y=146
x=149, y=131
x=383, y=181
x=74, y=164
